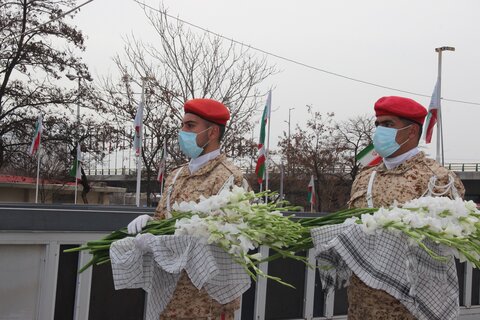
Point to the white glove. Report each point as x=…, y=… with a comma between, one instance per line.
x=138, y=224
x=142, y=242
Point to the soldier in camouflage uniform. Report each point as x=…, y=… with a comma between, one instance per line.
x=405, y=174
x=207, y=173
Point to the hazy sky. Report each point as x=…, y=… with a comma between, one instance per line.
x=386, y=42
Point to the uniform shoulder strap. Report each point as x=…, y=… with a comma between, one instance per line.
x=170, y=190
x=370, y=188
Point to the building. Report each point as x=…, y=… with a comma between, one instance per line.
x=22, y=189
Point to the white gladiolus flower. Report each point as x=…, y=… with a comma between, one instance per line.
x=414, y=220
x=276, y=213
x=245, y=243
x=453, y=230
x=433, y=224
x=236, y=250
x=232, y=222
x=230, y=228
x=369, y=224
x=471, y=206
x=256, y=256
x=350, y=221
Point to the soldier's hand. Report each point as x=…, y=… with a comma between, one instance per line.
x=138, y=224
x=142, y=241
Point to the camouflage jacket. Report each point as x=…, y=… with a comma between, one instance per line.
x=408, y=181
x=188, y=302
x=207, y=181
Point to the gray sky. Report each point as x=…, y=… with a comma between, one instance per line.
x=386, y=42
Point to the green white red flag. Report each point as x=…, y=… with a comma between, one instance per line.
x=431, y=118
x=368, y=156
x=138, y=125
x=76, y=170
x=262, y=152
x=312, y=198
x=37, y=137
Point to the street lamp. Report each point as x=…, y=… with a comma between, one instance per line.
x=440, y=154
x=289, y=144
x=289, y=111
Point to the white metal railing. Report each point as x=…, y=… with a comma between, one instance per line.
x=463, y=167
x=467, y=310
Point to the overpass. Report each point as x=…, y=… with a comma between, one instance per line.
x=469, y=173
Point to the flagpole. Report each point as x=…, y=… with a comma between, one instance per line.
x=161, y=187
x=282, y=176
x=267, y=150
x=38, y=169
x=440, y=152
x=139, y=157
x=77, y=165
x=164, y=164
x=76, y=185
x=439, y=156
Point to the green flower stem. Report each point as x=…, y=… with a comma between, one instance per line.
x=286, y=236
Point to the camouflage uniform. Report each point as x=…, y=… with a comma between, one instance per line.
x=188, y=302
x=408, y=181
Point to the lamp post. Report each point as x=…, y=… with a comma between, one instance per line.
x=440, y=154
x=79, y=78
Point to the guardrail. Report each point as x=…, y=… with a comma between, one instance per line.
x=458, y=167
x=463, y=167
x=111, y=172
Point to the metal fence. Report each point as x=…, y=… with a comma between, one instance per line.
x=463, y=167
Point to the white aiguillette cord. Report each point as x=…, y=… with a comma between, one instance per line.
x=169, y=192
x=369, y=189
x=443, y=189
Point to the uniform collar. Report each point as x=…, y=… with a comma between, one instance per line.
x=392, y=163
x=196, y=164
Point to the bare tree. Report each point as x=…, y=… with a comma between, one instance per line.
x=33, y=56
x=354, y=135
x=180, y=66
x=314, y=149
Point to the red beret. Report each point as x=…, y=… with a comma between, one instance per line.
x=400, y=107
x=208, y=109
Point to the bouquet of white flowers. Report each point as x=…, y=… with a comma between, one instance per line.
x=453, y=223
x=238, y=222
x=234, y=220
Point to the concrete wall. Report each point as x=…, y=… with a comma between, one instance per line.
x=14, y=195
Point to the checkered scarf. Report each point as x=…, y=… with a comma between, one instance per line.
x=156, y=268
x=426, y=287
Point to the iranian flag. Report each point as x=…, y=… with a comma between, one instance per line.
x=368, y=156
x=37, y=136
x=431, y=118
x=262, y=153
x=312, y=199
x=76, y=171
x=162, y=165
x=138, y=125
